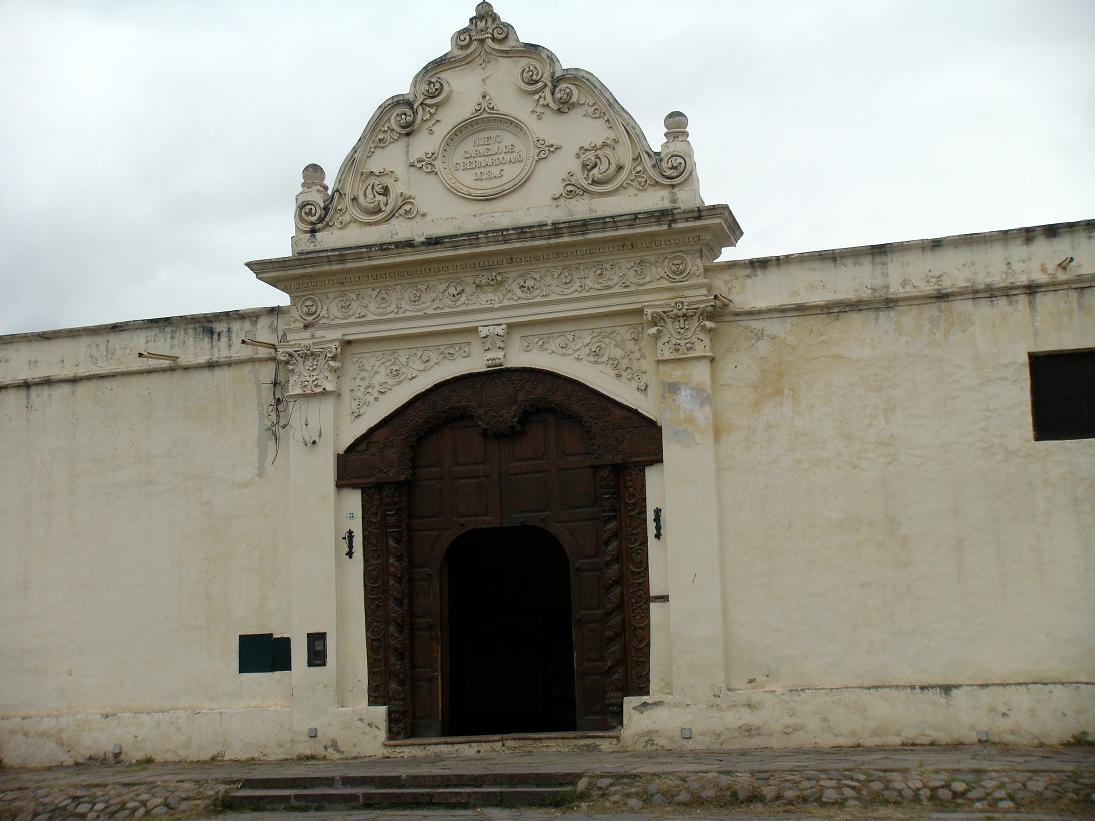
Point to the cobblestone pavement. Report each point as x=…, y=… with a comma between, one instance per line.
x=986, y=757
x=857, y=783
x=540, y=815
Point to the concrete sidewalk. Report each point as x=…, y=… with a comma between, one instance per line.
x=987, y=778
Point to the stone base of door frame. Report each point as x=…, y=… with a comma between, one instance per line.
x=867, y=716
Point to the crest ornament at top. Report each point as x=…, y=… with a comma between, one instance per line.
x=484, y=25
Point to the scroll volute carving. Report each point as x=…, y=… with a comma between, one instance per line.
x=497, y=401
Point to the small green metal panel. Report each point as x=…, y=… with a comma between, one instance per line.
x=282, y=656
x=262, y=653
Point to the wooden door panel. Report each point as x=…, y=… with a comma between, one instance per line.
x=471, y=497
x=526, y=494
x=468, y=445
x=572, y=439
x=579, y=491
x=530, y=444
x=458, y=469
x=545, y=471
x=425, y=499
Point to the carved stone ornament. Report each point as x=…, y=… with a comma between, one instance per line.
x=313, y=367
x=682, y=327
x=378, y=372
x=494, y=345
x=492, y=152
x=486, y=155
x=615, y=351
x=494, y=288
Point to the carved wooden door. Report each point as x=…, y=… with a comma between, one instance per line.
x=542, y=475
x=512, y=447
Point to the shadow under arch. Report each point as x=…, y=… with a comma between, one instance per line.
x=497, y=449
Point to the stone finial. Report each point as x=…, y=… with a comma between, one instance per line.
x=676, y=127
x=677, y=154
x=311, y=207
x=313, y=178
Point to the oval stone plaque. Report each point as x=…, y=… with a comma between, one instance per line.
x=486, y=156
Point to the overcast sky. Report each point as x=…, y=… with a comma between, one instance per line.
x=150, y=148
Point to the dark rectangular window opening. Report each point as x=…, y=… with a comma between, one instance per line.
x=262, y=653
x=317, y=649
x=1062, y=395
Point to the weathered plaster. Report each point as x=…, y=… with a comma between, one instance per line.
x=883, y=494
x=853, y=716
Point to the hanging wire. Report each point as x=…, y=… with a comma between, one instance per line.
x=279, y=411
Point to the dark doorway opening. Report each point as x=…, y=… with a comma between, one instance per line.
x=509, y=649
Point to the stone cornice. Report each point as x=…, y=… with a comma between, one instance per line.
x=905, y=299
x=708, y=230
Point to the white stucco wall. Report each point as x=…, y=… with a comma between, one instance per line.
x=893, y=559
x=887, y=517
x=141, y=528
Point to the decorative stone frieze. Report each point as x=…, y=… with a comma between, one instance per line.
x=313, y=367
x=376, y=373
x=682, y=327
x=494, y=345
x=615, y=351
x=493, y=288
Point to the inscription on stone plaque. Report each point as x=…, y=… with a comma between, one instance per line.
x=486, y=156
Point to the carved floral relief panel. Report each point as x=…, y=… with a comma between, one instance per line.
x=374, y=374
x=615, y=351
x=683, y=328
x=313, y=367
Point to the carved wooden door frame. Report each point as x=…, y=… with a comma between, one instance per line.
x=380, y=462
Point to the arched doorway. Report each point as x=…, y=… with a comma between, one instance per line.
x=501, y=449
x=512, y=674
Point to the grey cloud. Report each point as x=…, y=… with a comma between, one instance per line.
x=149, y=149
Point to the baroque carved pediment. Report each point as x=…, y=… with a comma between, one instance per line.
x=494, y=133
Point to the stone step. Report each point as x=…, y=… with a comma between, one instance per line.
x=320, y=797
x=413, y=779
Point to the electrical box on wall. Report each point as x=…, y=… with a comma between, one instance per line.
x=317, y=649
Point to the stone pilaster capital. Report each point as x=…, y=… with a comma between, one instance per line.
x=313, y=367
x=682, y=327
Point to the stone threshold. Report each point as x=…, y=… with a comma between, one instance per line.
x=574, y=736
